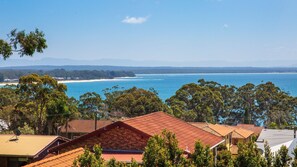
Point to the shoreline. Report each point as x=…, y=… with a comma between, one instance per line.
x=75, y=81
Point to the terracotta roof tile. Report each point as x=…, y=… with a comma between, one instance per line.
x=123, y=157
x=216, y=129
x=240, y=132
x=256, y=129
x=84, y=126
x=155, y=123
x=66, y=159
x=185, y=133
x=204, y=126
x=62, y=160
x=221, y=129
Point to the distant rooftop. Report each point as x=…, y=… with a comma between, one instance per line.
x=275, y=137
x=25, y=145
x=84, y=126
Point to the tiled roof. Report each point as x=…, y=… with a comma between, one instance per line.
x=240, y=132
x=123, y=157
x=185, y=133
x=84, y=126
x=219, y=130
x=205, y=127
x=154, y=123
x=256, y=129
x=66, y=159
x=62, y=160
x=25, y=145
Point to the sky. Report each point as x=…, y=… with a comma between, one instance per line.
x=182, y=32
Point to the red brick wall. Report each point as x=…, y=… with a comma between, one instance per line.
x=118, y=138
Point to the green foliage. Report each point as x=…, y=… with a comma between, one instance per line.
x=294, y=162
x=202, y=156
x=90, y=103
x=163, y=150
x=134, y=102
x=22, y=43
x=268, y=154
x=89, y=159
x=282, y=159
x=43, y=103
x=193, y=102
x=249, y=156
x=253, y=104
x=224, y=159
x=67, y=75
x=25, y=130
x=114, y=163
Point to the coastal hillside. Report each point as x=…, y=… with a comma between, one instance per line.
x=9, y=75
x=160, y=70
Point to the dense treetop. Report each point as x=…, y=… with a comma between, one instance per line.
x=22, y=43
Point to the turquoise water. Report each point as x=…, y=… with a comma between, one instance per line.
x=167, y=84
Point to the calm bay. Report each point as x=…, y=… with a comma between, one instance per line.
x=167, y=84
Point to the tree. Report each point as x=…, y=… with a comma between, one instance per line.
x=294, y=162
x=163, y=150
x=202, y=156
x=225, y=112
x=245, y=103
x=8, y=101
x=89, y=159
x=275, y=106
x=224, y=159
x=282, y=159
x=193, y=102
x=22, y=43
x=135, y=102
x=37, y=95
x=89, y=105
x=268, y=154
x=249, y=156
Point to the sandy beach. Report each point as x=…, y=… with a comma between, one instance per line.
x=75, y=81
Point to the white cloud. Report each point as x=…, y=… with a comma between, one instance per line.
x=226, y=26
x=134, y=20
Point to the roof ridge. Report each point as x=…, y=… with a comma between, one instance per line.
x=145, y=115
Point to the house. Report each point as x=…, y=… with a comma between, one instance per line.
x=66, y=159
x=239, y=135
x=129, y=137
x=77, y=128
x=256, y=129
x=216, y=129
x=276, y=138
x=19, y=150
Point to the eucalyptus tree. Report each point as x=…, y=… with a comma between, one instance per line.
x=136, y=101
x=37, y=95
x=193, y=102
x=8, y=101
x=90, y=104
x=224, y=113
x=245, y=104
x=22, y=43
x=275, y=106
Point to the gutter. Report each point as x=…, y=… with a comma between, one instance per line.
x=217, y=144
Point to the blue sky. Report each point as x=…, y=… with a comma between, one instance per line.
x=159, y=30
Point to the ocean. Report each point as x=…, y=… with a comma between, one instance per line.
x=167, y=84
